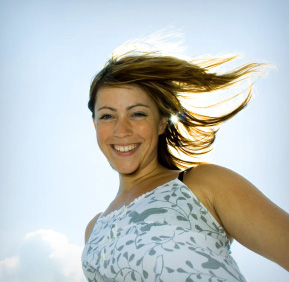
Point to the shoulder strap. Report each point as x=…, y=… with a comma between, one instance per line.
x=181, y=175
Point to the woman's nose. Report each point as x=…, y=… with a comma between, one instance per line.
x=122, y=128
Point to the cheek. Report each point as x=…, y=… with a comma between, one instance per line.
x=102, y=134
x=148, y=131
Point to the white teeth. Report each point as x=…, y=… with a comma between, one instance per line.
x=125, y=148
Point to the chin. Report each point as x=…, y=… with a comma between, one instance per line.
x=127, y=172
x=124, y=170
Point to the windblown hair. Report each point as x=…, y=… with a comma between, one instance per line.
x=167, y=79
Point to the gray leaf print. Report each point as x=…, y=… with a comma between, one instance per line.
x=136, y=217
x=152, y=252
x=131, y=257
x=181, y=218
x=189, y=264
x=145, y=274
x=167, y=235
x=190, y=207
x=129, y=242
x=170, y=270
x=133, y=276
x=203, y=219
x=139, y=261
x=181, y=270
x=186, y=195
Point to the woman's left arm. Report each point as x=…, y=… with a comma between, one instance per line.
x=248, y=216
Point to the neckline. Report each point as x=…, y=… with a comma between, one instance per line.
x=125, y=207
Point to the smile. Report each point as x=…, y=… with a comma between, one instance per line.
x=125, y=148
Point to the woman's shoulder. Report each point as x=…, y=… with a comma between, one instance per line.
x=212, y=184
x=243, y=211
x=208, y=168
x=212, y=176
x=90, y=226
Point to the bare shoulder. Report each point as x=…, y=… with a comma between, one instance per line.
x=90, y=226
x=216, y=180
x=209, y=183
x=245, y=213
x=223, y=185
x=223, y=189
x=211, y=173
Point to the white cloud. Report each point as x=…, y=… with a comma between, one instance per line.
x=44, y=256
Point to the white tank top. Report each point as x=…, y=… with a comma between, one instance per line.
x=164, y=235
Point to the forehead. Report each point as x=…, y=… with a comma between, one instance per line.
x=123, y=95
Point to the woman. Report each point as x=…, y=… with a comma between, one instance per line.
x=173, y=219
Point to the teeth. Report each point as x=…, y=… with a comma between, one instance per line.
x=125, y=148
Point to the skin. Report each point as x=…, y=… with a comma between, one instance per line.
x=127, y=116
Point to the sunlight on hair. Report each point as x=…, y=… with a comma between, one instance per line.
x=174, y=118
x=182, y=89
x=160, y=43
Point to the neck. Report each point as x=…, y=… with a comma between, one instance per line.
x=138, y=178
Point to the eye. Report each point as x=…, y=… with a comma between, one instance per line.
x=105, y=116
x=139, y=114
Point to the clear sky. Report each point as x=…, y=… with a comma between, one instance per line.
x=53, y=177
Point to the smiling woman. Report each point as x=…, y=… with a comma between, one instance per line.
x=128, y=124
x=172, y=219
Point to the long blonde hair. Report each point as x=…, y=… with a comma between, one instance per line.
x=168, y=79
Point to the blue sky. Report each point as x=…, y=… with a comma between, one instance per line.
x=53, y=177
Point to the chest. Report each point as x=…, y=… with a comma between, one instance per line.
x=152, y=231
x=133, y=194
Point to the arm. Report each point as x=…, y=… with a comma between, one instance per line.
x=90, y=226
x=246, y=214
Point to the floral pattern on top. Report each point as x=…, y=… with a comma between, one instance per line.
x=164, y=235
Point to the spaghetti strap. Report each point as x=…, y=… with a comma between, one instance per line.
x=181, y=175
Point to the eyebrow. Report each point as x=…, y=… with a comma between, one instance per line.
x=128, y=108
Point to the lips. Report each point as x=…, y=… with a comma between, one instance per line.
x=125, y=148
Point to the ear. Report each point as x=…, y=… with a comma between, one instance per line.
x=94, y=123
x=163, y=124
